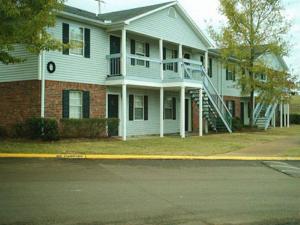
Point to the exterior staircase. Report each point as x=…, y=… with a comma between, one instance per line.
x=214, y=109
x=263, y=114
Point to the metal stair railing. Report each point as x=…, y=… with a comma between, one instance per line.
x=269, y=114
x=257, y=111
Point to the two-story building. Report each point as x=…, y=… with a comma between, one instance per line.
x=151, y=67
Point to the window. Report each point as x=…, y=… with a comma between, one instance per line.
x=230, y=74
x=231, y=107
x=76, y=40
x=171, y=54
x=140, y=51
x=169, y=109
x=138, y=107
x=75, y=105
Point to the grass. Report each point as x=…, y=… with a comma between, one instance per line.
x=173, y=145
x=295, y=105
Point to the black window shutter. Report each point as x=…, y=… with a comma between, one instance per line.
x=174, y=108
x=87, y=43
x=147, y=54
x=176, y=64
x=164, y=57
x=210, y=67
x=227, y=74
x=202, y=59
x=86, y=104
x=65, y=104
x=131, y=99
x=146, y=108
x=132, y=51
x=65, y=37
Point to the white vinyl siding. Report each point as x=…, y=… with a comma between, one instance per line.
x=75, y=105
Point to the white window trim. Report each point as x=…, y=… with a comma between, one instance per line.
x=81, y=106
x=83, y=41
x=143, y=97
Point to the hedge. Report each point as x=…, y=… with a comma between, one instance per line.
x=295, y=118
x=86, y=128
x=3, y=132
x=37, y=128
x=236, y=124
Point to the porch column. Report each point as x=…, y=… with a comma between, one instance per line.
x=284, y=115
x=123, y=54
x=206, y=62
x=288, y=115
x=180, y=56
x=274, y=119
x=182, y=112
x=200, y=112
x=281, y=108
x=161, y=115
x=161, y=56
x=124, y=112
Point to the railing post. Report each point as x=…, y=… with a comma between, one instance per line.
x=180, y=66
x=161, y=57
x=123, y=54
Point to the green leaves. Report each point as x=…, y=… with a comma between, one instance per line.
x=26, y=22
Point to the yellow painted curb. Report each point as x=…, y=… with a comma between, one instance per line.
x=146, y=157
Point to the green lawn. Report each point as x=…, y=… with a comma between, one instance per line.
x=295, y=105
x=207, y=145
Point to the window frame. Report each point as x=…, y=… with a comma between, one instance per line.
x=79, y=106
x=134, y=107
x=143, y=54
x=231, y=74
x=171, y=108
x=70, y=40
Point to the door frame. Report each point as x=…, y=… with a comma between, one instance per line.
x=119, y=105
x=189, y=113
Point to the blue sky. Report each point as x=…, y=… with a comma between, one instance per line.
x=203, y=12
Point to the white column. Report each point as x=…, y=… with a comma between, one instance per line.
x=161, y=56
x=274, y=119
x=124, y=111
x=180, y=56
x=161, y=115
x=200, y=112
x=206, y=126
x=281, y=108
x=206, y=62
x=124, y=54
x=43, y=82
x=288, y=115
x=284, y=115
x=182, y=112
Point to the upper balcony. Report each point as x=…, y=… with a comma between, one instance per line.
x=146, y=59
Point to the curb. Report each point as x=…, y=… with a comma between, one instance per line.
x=145, y=157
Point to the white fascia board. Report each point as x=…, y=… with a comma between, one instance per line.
x=149, y=13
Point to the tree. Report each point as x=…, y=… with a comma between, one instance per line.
x=25, y=22
x=254, y=28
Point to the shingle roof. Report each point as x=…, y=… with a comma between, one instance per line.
x=117, y=16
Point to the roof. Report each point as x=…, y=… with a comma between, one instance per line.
x=117, y=16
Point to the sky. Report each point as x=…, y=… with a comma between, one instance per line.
x=205, y=12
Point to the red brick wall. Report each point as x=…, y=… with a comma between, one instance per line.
x=53, y=101
x=19, y=101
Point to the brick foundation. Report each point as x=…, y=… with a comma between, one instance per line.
x=53, y=100
x=19, y=101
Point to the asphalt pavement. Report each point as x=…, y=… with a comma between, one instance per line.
x=136, y=192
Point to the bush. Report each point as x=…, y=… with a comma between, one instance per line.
x=83, y=128
x=113, y=126
x=295, y=118
x=38, y=128
x=236, y=124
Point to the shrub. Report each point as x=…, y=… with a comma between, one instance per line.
x=112, y=125
x=236, y=124
x=3, y=132
x=83, y=128
x=38, y=128
x=295, y=118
